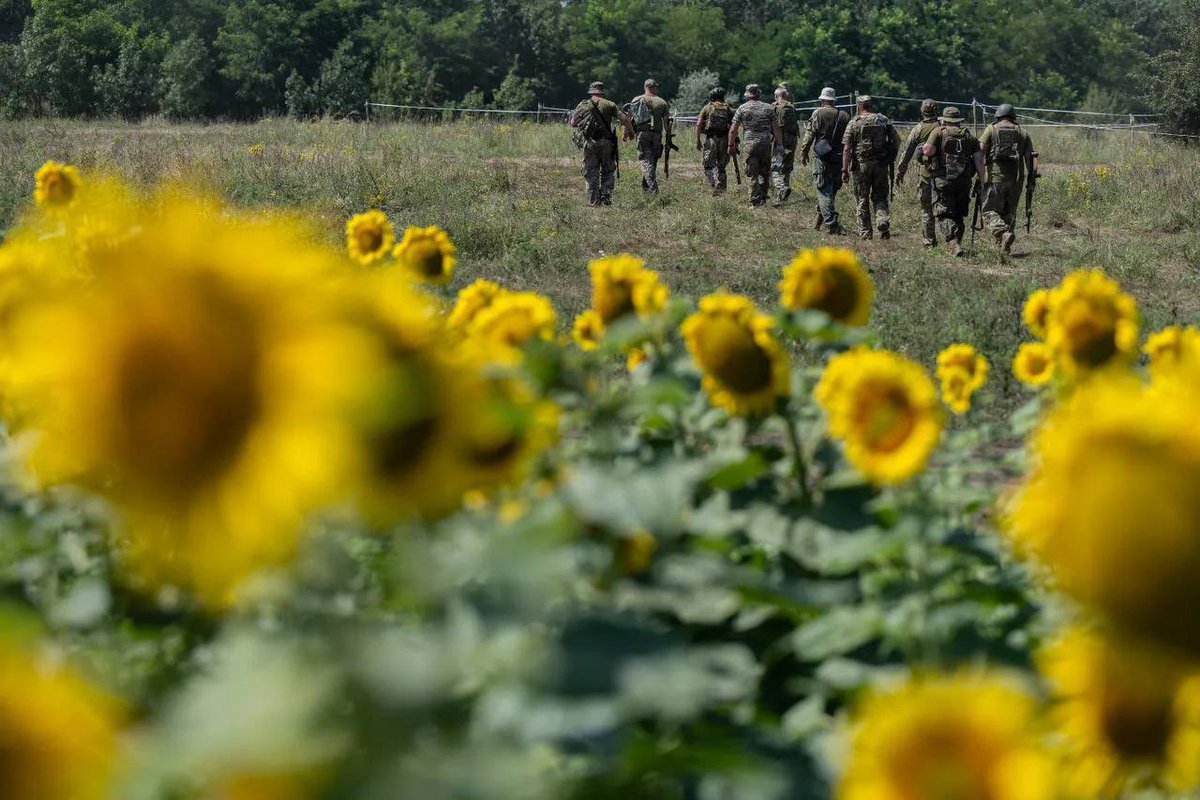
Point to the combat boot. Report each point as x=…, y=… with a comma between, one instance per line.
x=885, y=234
x=820, y=221
x=956, y=249
x=1007, y=241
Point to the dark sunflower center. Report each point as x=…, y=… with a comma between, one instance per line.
x=496, y=454
x=370, y=239
x=1138, y=727
x=887, y=418
x=617, y=303
x=728, y=351
x=59, y=189
x=395, y=450
x=840, y=297
x=1092, y=337
x=431, y=263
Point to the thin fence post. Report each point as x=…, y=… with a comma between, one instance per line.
x=975, y=117
x=366, y=111
x=1131, y=131
x=539, y=114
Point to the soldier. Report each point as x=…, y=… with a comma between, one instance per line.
x=592, y=121
x=953, y=157
x=1010, y=157
x=651, y=117
x=713, y=125
x=823, y=140
x=913, y=146
x=762, y=134
x=869, y=147
x=789, y=126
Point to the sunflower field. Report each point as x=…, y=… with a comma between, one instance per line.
x=285, y=523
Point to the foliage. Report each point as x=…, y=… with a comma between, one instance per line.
x=693, y=90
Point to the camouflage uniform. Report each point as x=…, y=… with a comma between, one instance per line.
x=917, y=137
x=600, y=154
x=781, y=176
x=650, y=139
x=756, y=118
x=1005, y=175
x=715, y=146
x=827, y=124
x=870, y=155
x=953, y=167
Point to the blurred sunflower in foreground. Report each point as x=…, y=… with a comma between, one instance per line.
x=621, y=285
x=1090, y=323
x=828, y=279
x=56, y=185
x=426, y=254
x=192, y=380
x=369, y=237
x=964, y=737
x=1034, y=364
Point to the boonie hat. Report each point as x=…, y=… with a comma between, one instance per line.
x=951, y=114
x=597, y=87
x=828, y=93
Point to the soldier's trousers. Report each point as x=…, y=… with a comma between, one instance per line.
x=871, y=192
x=781, y=176
x=925, y=193
x=650, y=150
x=952, y=205
x=827, y=178
x=600, y=169
x=758, y=168
x=1000, y=202
x=716, y=159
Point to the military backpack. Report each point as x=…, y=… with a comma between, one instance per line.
x=786, y=114
x=874, y=144
x=592, y=125
x=720, y=118
x=956, y=152
x=643, y=118
x=1006, y=144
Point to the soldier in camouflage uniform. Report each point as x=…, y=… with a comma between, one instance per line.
x=651, y=117
x=823, y=143
x=952, y=154
x=592, y=122
x=1010, y=158
x=912, y=146
x=713, y=125
x=789, y=126
x=763, y=140
x=868, y=148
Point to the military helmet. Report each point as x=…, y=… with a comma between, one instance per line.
x=1005, y=110
x=717, y=93
x=952, y=116
x=597, y=87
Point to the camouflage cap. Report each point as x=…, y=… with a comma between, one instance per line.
x=865, y=99
x=650, y=83
x=753, y=89
x=951, y=116
x=828, y=93
x=597, y=87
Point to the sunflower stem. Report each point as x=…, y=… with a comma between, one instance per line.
x=799, y=462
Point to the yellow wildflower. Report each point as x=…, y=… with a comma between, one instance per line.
x=1171, y=348
x=635, y=551
x=956, y=389
x=964, y=737
x=369, y=237
x=588, y=330
x=885, y=410
x=1091, y=323
x=829, y=279
x=1035, y=312
x=637, y=356
x=966, y=358
x=427, y=254
x=471, y=300
x=744, y=368
x=56, y=185
x=1034, y=364
x=513, y=320
x=622, y=285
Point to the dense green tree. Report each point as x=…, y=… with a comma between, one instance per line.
x=188, y=70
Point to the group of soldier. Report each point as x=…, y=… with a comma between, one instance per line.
x=953, y=165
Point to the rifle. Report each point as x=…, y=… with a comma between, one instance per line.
x=1029, y=186
x=667, y=153
x=737, y=170
x=891, y=179
x=976, y=225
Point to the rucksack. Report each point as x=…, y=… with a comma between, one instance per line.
x=591, y=123
x=956, y=153
x=874, y=144
x=720, y=117
x=1006, y=144
x=787, y=118
x=643, y=119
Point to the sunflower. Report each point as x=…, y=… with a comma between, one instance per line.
x=1124, y=712
x=963, y=737
x=1171, y=348
x=828, y=279
x=56, y=185
x=966, y=358
x=370, y=237
x=886, y=411
x=1091, y=323
x=471, y=300
x=193, y=382
x=622, y=285
x=745, y=369
x=1034, y=364
x=59, y=732
x=637, y=356
x=427, y=254
x=588, y=330
x=1113, y=505
x=1036, y=311
x=511, y=321
x=635, y=551
x=956, y=389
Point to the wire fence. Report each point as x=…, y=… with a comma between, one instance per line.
x=980, y=113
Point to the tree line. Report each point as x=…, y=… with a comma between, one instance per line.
x=240, y=59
